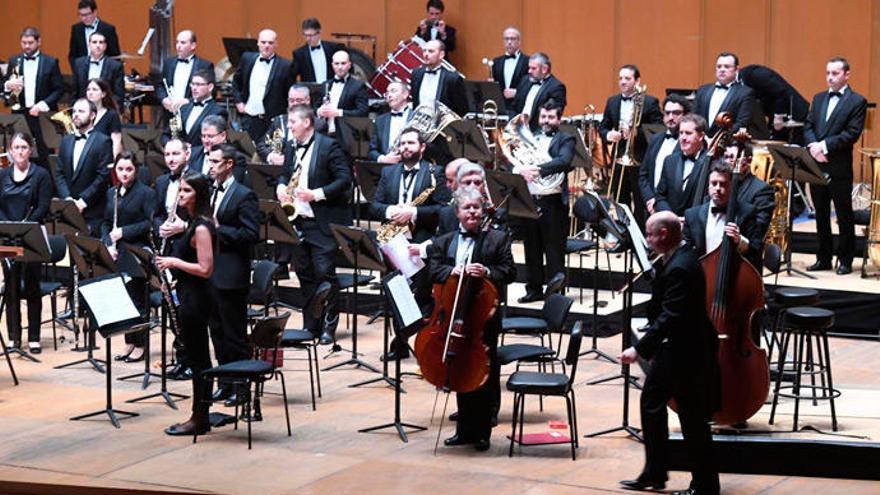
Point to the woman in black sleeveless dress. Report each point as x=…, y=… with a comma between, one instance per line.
x=192, y=263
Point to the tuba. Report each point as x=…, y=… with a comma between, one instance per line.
x=521, y=148
x=430, y=120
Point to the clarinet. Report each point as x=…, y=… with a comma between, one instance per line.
x=165, y=287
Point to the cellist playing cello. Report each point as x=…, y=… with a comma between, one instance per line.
x=479, y=254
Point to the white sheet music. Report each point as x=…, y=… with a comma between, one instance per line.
x=403, y=298
x=109, y=301
x=639, y=242
x=397, y=250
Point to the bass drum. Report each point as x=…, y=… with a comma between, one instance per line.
x=362, y=66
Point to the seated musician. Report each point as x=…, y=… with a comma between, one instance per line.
x=705, y=226
x=388, y=125
x=485, y=254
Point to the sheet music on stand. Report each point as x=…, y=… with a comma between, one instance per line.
x=639, y=243
x=109, y=303
x=406, y=310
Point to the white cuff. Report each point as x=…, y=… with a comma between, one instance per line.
x=319, y=194
x=824, y=146
x=423, y=248
x=42, y=106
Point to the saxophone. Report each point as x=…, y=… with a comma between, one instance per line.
x=290, y=208
x=388, y=231
x=777, y=233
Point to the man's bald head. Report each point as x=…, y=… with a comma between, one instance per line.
x=663, y=231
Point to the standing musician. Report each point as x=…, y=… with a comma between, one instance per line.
x=490, y=257
x=537, y=89
x=660, y=146
x=298, y=94
x=433, y=82
x=127, y=219
x=434, y=27
x=259, y=85
x=312, y=62
x=97, y=65
x=203, y=105
x=681, y=170
x=39, y=83
x=82, y=31
x=725, y=95
x=214, y=133
x=25, y=194
x=834, y=124
x=178, y=71
x=107, y=120
x=343, y=95
x=236, y=216
x=778, y=100
x=83, y=165
x=683, y=349
x=615, y=128
x=192, y=263
x=510, y=69
x=752, y=190
x=389, y=124
x=317, y=179
x=548, y=184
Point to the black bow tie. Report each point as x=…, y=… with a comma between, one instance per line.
x=432, y=71
x=199, y=103
x=336, y=80
x=718, y=210
x=722, y=86
x=409, y=172
x=173, y=178
x=469, y=235
x=219, y=188
x=510, y=56
x=304, y=145
x=77, y=137
x=29, y=57
x=537, y=83
x=551, y=132
x=625, y=98
x=397, y=114
x=95, y=62
x=838, y=94
x=670, y=135
x=267, y=60
x=691, y=158
x=314, y=48
x=183, y=61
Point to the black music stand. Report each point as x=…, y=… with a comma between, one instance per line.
x=111, y=312
x=512, y=190
x=143, y=142
x=145, y=259
x=401, y=331
x=35, y=249
x=582, y=158
x=52, y=131
x=354, y=133
x=10, y=123
x=361, y=252
x=140, y=271
x=64, y=218
x=367, y=174
x=795, y=164
x=479, y=91
x=90, y=259
x=264, y=179
x=466, y=141
x=235, y=47
x=275, y=225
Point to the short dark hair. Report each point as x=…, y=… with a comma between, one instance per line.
x=840, y=60
x=678, y=100
x=215, y=121
x=27, y=138
x=207, y=75
x=721, y=167
x=31, y=32
x=87, y=4
x=192, y=35
x=633, y=68
x=698, y=121
x=127, y=155
x=311, y=23
x=551, y=106
x=96, y=33
x=304, y=112
x=729, y=54
x=437, y=4
x=229, y=151
x=201, y=185
x=410, y=129
x=92, y=107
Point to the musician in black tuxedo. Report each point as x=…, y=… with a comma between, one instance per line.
x=322, y=197
x=683, y=348
x=537, y=89
x=545, y=236
x=834, y=124
x=237, y=216
x=313, y=61
x=213, y=133
x=128, y=218
x=178, y=71
x=260, y=85
x=298, y=94
x=89, y=23
x=706, y=225
x=433, y=82
x=98, y=65
x=510, y=69
x=615, y=128
x=343, y=95
x=490, y=258
x=201, y=104
x=83, y=165
x=725, y=95
x=752, y=190
x=40, y=84
x=682, y=180
x=433, y=27
x=389, y=125
x=660, y=146
x=778, y=100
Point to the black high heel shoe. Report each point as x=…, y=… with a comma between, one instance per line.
x=123, y=357
x=129, y=359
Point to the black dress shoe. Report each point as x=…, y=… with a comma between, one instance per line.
x=392, y=355
x=35, y=349
x=189, y=428
x=640, y=484
x=482, y=445
x=326, y=338
x=222, y=393
x=185, y=375
x=453, y=416
x=530, y=297
x=457, y=440
x=819, y=265
x=15, y=344
x=844, y=269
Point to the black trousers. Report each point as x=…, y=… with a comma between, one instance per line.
x=194, y=336
x=694, y=411
x=630, y=193
x=256, y=127
x=228, y=324
x=29, y=273
x=43, y=151
x=545, y=237
x=476, y=409
x=839, y=192
x=313, y=261
x=136, y=288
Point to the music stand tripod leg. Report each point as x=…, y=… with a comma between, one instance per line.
x=113, y=414
x=168, y=397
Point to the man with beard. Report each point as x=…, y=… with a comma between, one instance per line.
x=540, y=87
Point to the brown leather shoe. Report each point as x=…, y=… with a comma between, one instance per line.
x=188, y=428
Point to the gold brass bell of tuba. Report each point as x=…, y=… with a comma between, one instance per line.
x=872, y=233
x=430, y=120
x=521, y=148
x=65, y=118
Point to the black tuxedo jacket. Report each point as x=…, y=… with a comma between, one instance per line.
x=302, y=61
x=550, y=88
x=168, y=75
x=669, y=194
x=427, y=216
x=646, y=167
x=135, y=214
x=380, y=141
x=79, y=47
x=111, y=71
x=197, y=162
x=447, y=220
x=679, y=330
x=239, y=219
x=519, y=72
x=449, y=41
x=450, y=89
x=280, y=79
x=753, y=191
x=89, y=181
x=329, y=170
x=840, y=132
x=775, y=94
x=354, y=99
x=49, y=85
x=160, y=214
x=491, y=249
x=739, y=101
x=611, y=120
x=194, y=136
x=695, y=229
x=561, y=152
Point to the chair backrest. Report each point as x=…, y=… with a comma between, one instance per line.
x=262, y=280
x=772, y=257
x=57, y=248
x=268, y=331
x=555, y=311
x=574, y=349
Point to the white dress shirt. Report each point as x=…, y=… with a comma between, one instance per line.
x=304, y=159
x=530, y=98
x=429, y=88
x=29, y=73
x=319, y=62
x=78, y=145
x=666, y=149
x=688, y=170
x=510, y=68
x=626, y=111
x=336, y=88
x=194, y=115
x=396, y=124
x=257, y=86
x=464, y=249
x=833, y=101
x=95, y=69
x=182, y=71
x=171, y=193
x=718, y=96
x=715, y=223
